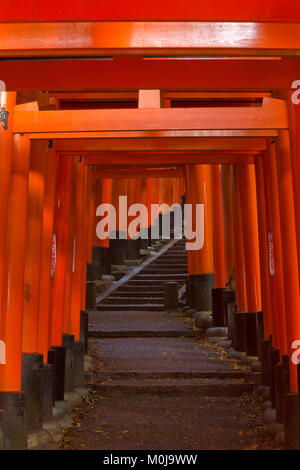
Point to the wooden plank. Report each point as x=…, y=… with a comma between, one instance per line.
x=172, y=159
x=161, y=144
x=156, y=10
x=131, y=173
x=95, y=137
x=132, y=72
x=144, y=38
x=265, y=117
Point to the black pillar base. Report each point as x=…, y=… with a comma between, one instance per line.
x=165, y=220
x=182, y=203
x=32, y=365
x=90, y=298
x=78, y=365
x=191, y=291
x=264, y=361
x=251, y=334
x=47, y=392
x=229, y=298
x=98, y=260
x=93, y=272
x=106, y=261
x=84, y=329
x=14, y=425
x=56, y=357
x=282, y=386
x=187, y=295
x=260, y=331
x=170, y=296
x=1, y=429
x=151, y=241
x=172, y=224
x=117, y=250
x=239, y=328
x=218, y=308
x=132, y=249
x=291, y=421
x=274, y=359
x=200, y=287
x=68, y=343
x=144, y=238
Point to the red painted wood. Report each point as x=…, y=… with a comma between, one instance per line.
x=216, y=10
x=135, y=73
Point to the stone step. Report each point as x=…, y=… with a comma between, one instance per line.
x=175, y=386
x=159, y=270
x=205, y=374
x=140, y=288
x=174, y=253
x=171, y=260
x=146, y=334
x=133, y=307
x=132, y=300
x=148, y=284
x=161, y=277
x=125, y=293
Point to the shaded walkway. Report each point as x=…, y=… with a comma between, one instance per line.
x=165, y=393
x=156, y=383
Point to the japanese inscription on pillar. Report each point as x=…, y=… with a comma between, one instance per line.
x=4, y=118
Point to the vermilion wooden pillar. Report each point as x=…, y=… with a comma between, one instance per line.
x=240, y=281
x=46, y=277
x=70, y=252
x=79, y=261
x=190, y=196
x=199, y=180
x=279, y=333
x=85, y=224
x=218, y=230
x=119, y=188
x=132, y=246
x=144, y=200
x=296, y=136
x=105, y=199
x=200, y=262
x=226, y=175
x=294, y=133
x=289, y=246
x=150, y=188
x=176, y=189
x=12, y=320
x=92, y=215
x=36, y=191
x=63, y=201
x=98, y=201
x=263, y=247
x=7, y=101
x=163, y=191
x=247, y=190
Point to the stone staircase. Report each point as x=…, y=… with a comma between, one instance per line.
x=151, y=366
x=145, y=290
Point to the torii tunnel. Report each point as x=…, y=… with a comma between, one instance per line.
x=164, y=103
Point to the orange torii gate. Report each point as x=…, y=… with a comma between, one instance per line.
x=149, y=54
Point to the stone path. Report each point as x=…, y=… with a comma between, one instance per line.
x=156, y=384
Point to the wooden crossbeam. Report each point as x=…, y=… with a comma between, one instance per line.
x=146, y=38
x=169, y=94
x=171, y=159
x=132, y=72
x=139, y=173
x=156, y=10
x=269, y=116
x=164, y=144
